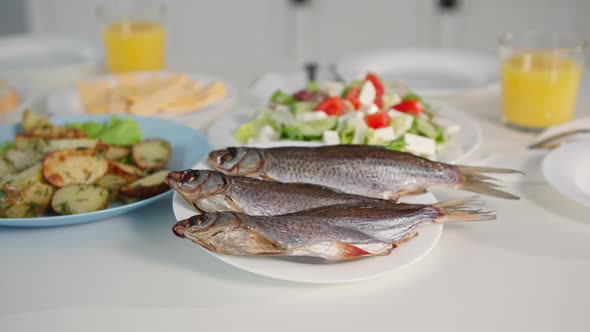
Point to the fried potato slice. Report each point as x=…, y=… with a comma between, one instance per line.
x=112, y=183
x=80, y=198
x=27, y=142
x=18, y=181
x=6, y=167
x=32, y=120
x=32, y=201
x=116, y=152
x=129, y=172
x=37, y=126
x=81, y=166
x=148, y=186
x=152, y=154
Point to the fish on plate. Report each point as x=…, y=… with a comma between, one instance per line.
x=212, y=191
x=356, y=169
x=334, y=232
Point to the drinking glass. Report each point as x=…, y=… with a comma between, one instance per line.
x=540, y=73
x=133, y=34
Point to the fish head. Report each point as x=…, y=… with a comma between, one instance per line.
x=203, y=227
x=237, y=160
x=196, y=184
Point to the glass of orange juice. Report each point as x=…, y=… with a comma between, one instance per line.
x=133, y=34
x=540, y=77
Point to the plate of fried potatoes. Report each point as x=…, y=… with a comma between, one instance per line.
x=82, y=168
x=172, y=95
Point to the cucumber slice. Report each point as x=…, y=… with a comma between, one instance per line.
x=303, y=106
x=316, y=128
x=426, y=128
x=401, y=124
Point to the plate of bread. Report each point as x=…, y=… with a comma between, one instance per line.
x=172, y=95
x=15, y=97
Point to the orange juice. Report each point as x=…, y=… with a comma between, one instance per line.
x=133, y=46
x=539, y=90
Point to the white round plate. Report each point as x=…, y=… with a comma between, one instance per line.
x=426, y=71
x=567, y=169
x=459, y=147
x=67, y=101
x=310, y=271
x=47, y=61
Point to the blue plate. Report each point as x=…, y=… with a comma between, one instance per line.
x=188, y=147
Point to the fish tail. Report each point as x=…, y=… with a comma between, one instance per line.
x=494, y=170
x=473, y=179
x=467, y=209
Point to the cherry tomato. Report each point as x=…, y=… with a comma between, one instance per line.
x=377, y=83
x=331, y=106
x=409, y=106
x=353, y=97
x=379, y=102
x=378, y=120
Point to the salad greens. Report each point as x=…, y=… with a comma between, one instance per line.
x=5, y=146
x=116, y=131
x=366, y=111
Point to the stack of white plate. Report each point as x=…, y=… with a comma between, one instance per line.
x=45, y=62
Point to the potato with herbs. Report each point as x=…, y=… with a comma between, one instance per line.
x=44, y=145
x=65, y=167
x=151, y=154
x=6, y=167
x=112, y=183
x=37, y=126
x=80, y=198
x=148, y=186
x=116, y=152
x=129, y=172
x=24, y=194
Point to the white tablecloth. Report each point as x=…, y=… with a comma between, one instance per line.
x=527, y=271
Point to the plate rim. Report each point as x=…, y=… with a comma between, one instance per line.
x=74, y=219
x=551, y=176
x=342, y=66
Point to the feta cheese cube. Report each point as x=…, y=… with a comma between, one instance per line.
x=353, y=117
x=266, y=135
x=451, y=127
x=331, y=137
x=310, y=116
x=384, y=134
x=419, y=145
x=391, y=99
x=282, y=116
x=282, y=108
x=360, y=132
x=367, y=94
x=370, y=109
x=334, y=89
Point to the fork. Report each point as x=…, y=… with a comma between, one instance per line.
x=550, y=143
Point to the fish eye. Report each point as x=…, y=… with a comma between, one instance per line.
x=202, y=220
x=229, y=155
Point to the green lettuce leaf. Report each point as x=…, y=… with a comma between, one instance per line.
x=116, y=131
x=5, y=146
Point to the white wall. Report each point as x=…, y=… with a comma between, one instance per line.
x=243, y=31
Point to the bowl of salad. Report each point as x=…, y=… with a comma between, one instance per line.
x=364, y=111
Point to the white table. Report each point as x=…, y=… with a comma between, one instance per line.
x=527, y=271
